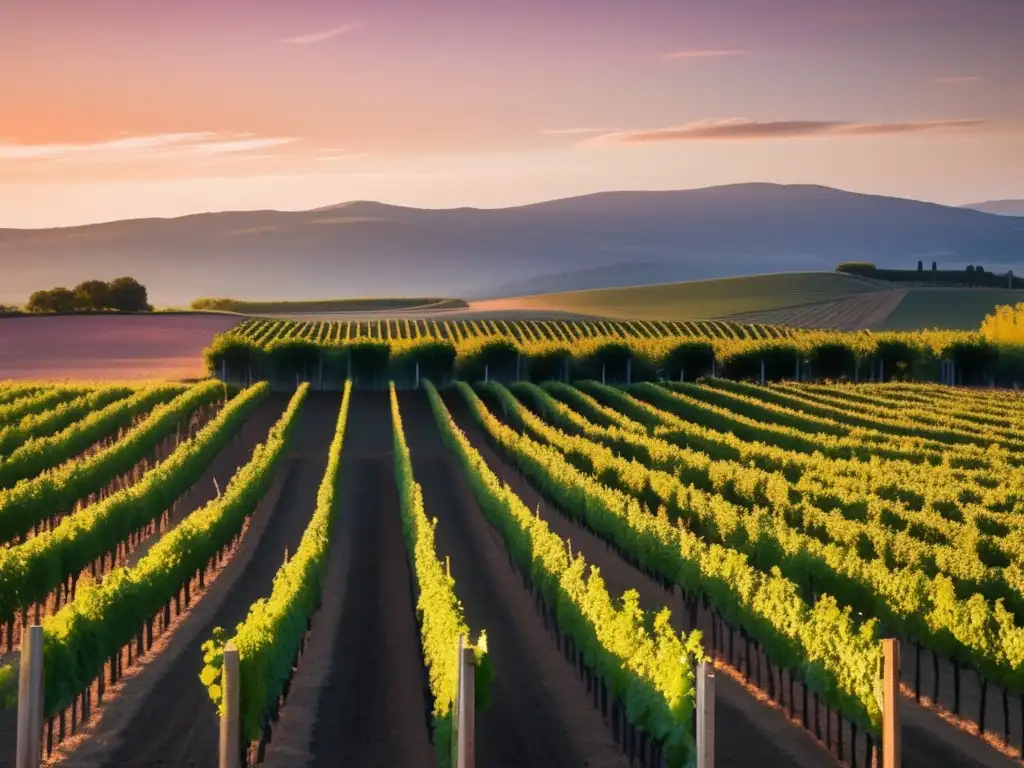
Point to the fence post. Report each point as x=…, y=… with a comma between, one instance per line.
x=417, y=375
x=705, y=712
x=223, y=369
x=714, y=366
x=467, y=710
x=463, y=712
x=230, y=723
x=891, y=753
x=30, y=700
x=762, y=370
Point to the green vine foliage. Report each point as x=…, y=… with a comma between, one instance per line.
x=269, y=638
x=104, y=617
x=29, y=572
x=644, y=662
x=437, y=606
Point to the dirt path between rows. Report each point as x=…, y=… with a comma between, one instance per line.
x=541, y=714
x=357, y=697
x=163, y=715
x=927, y=740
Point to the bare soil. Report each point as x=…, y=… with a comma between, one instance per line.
x=541, y=714
x=358, y=695
x=108, y=347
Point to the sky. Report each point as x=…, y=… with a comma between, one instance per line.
x=113, y=109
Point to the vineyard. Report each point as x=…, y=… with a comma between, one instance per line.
x=590, y=539
x=371, y=353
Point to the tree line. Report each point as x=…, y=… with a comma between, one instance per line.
x=123, y=294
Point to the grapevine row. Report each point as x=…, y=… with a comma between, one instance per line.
x=439, y=612
x=820, y=643
x=38, y=454
x=641, y=658
x=29, y=572
x=54, y=492
x=106, y=616
x=270, y=637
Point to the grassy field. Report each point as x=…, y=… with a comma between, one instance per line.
x=327, y=305
x=952, y=308
x=704, y=299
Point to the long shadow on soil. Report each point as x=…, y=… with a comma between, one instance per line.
x=540, y=712
x=178, y=725
x=371, y=709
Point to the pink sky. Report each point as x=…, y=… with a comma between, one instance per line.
x=127, y=108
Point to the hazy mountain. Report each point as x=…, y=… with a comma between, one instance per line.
x=999, y=207
x=367, y=248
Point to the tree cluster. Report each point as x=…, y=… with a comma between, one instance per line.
x=124, y=294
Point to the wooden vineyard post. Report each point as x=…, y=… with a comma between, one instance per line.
x=30, y=700
x=417, y=375
x=762, y=370
x=223, y=369
x=487, y=372
x=629, y=371
x=464, y=711
x=705, y=713
x=891, y=753
x=714, y=366
x=230, y=722
x=518, y=365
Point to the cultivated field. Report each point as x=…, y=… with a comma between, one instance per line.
x=699, y=299
x=821, y=300
x=344, y=541
x=158, y=346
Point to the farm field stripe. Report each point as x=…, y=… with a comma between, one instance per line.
x=38, y=454
x=615, y=638
x=55, y=491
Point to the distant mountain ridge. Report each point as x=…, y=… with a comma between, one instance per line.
x=365, y=248
x=999, y=207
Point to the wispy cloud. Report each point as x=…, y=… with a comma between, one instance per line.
x=323, y=35
x=575, y=131
x=957, y=79
x=342, y=156
x=712, y=53
x=149, y=147
x=741, y=128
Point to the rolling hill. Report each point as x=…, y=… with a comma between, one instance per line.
x=826, y=300
x=999, y=207
x=371, y=249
